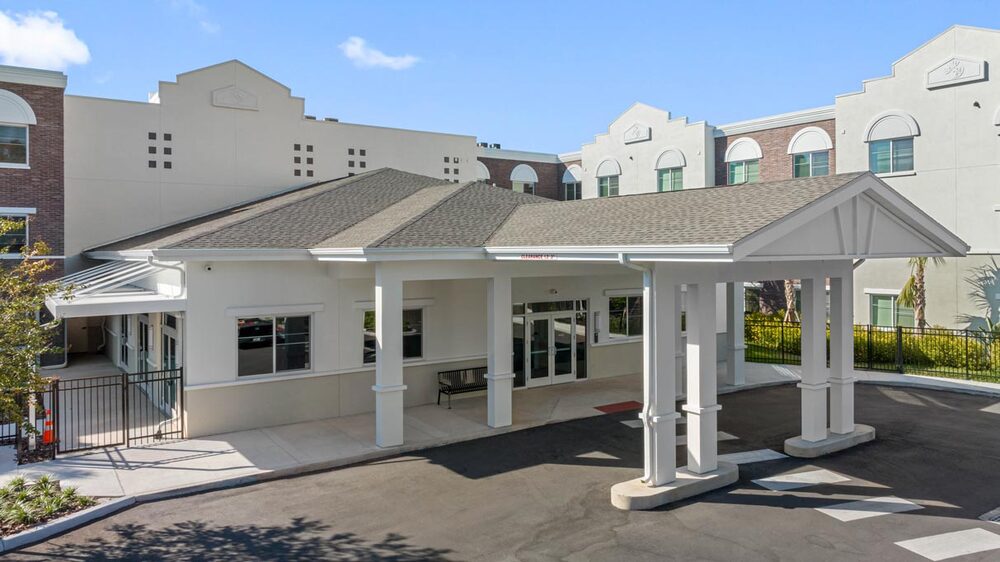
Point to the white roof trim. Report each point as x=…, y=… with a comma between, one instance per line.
x=32, y=76
x=523, y=173
x=671, y=158
x=609, y=167
x=809, y=139
x=13, y=109
x=774, y=121
x=892, y=124
x=743, y=148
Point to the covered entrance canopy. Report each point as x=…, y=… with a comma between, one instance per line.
x=417, y=228
x=115, y=288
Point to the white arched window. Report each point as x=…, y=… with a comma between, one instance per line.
x=743, y=161
x=670, y=170
x=572, y=181
x=523, y=179
x=810, y=149
x=482, y=172
x=890, y=142
x=15, y=117
x=608, y=175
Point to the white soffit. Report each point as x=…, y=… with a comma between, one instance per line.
x=893, y=124
x=13, y=109
x=744, y=148
x=809, y=139
x=671, y=158
x=609, y=167
x=523, y=173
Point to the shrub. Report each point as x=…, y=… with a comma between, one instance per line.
x=24, y=504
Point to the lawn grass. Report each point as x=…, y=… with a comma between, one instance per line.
x=25, y=503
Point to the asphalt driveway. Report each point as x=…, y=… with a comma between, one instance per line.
x=543, y=494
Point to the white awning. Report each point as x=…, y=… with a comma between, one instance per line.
x=109, y=289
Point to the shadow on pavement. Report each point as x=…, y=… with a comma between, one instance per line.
x=301, y=539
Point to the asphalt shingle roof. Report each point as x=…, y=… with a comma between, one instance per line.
x=392, y=209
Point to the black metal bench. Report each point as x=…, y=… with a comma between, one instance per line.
x=459, y=381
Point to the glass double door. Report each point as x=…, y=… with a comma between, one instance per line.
x=550, y=349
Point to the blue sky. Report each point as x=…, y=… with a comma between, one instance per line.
x=543, y=76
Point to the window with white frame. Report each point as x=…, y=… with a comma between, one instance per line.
x=14, y=144
x=413, y=334
x=744, y=171
x=890, y=156
x=273, y=344
x=887, y=311
x=624, y=317
x=811, y=164
x=523, y=179
x=670, y=179
x=13, y=233
x=573, y=191
x=607, y=186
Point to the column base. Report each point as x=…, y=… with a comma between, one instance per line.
x=635, y=495
x=799, y=447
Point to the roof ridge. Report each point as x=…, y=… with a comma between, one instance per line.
x=419, y=216
x=500, y=225
x=349, y=180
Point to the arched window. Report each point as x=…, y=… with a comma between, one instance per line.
x=482, y=172
x=15, y=116
x=572, y=181
x=608, y=174
x=743, y=161
x=523, y=179
x=810, y=149
x=890, y=142
x=670, y=170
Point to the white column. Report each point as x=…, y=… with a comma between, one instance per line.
x=814, y=374
x=389, y=385
x=735, y=346
x=842, y=354
x=661, y=324
x=499, y=351
x=701, y=407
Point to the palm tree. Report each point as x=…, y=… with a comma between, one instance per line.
x=914, y=292
x=791, y=314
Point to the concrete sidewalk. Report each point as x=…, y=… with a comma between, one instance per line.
x=236, y=458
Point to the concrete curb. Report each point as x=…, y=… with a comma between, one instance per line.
x=929, y=383
x=65, y=523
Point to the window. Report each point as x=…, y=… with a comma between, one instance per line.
x=152, y=150
x=744, y=171
x=309, y=160
x=350, y=152
x=167, y=150
x=124, y=340
x=151, y=163
x=363, y=164
x=152, y=136
x=523, y=187
x=671, y=179
x=454, y=171
x=447, y=170
x=13, y=240
x=297, y=172
x=573, y=191
x=168, y=137
x=309, y=173
x=168, y=165
x=811, y=164
x=413, y=334
x=447, y=160
x=297, y=159
x=272, y=344
x=624, y=317
x=350, y=163
x=309, y=148
x=13, y=144
x=607, y=186
x=362, y=152
x=296, y=147
x=887, y=312
x=890, y=156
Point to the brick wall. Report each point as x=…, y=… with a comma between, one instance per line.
x=41, y=186
x=775, y=163
x=549, y=175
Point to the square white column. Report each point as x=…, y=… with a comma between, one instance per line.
x=389, y=385
x=814, y=373
x=661, y=326
x=842, y=354
x=702, y=409
x=499, y=352
x=735, y=336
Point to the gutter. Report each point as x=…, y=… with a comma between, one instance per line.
x=151, y=261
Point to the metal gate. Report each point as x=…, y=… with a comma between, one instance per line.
x=105, y=411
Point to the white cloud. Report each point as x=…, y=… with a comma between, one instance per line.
x=39, y=40
x=363, y=56
x=198, y=12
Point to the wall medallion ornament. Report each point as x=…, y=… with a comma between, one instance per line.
x=235, y=98
x=955, y=71
x=637, y=133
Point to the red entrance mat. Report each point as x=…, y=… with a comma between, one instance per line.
x=620, y=407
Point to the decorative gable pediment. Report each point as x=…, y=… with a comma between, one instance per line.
x=955, y=71
x=637, y=133
x=235, y=98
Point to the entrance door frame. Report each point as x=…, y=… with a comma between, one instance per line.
x=550, y=318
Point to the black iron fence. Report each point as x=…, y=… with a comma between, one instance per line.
x=79, y=414
x=940, y=352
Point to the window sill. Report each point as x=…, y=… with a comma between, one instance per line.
x=896, y=174
x=15, y=166
x=618, y=341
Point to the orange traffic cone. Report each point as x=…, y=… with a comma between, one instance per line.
x=47, y=431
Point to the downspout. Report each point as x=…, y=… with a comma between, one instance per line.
x=151, y=261
x=650, y=393
x=858, y=263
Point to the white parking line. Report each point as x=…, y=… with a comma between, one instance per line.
x=636, y=424
x=800, y=480
x=950, y=545
x=872, y=507
x=747, y=457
